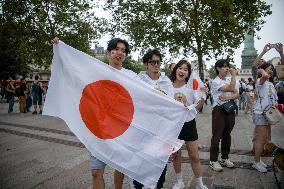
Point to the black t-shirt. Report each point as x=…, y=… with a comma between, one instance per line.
x=23, y=88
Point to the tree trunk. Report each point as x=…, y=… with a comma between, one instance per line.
x=200, y=66
x=199, y=58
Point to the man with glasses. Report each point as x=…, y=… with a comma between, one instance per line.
x=154, y=77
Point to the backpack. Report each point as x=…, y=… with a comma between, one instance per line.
x=35, y=89
x=241, y=89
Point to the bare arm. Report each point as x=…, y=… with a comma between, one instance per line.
x=200, y=104
x=234, y=96
x=10, y=90
x=279, y=48
x=258, y=61
x=264, y=76
x=232, y=86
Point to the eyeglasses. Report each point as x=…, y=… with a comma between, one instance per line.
x=154, y=62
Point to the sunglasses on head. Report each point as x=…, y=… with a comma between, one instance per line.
x=154, y=62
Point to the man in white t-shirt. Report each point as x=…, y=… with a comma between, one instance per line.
x=223, y=90
x=157, y=79
x=117, y=50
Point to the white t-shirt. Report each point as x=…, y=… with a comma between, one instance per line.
x=163, y=84
x=249, y=88
x=266, y=96
x=217, y=83
x=190, y=95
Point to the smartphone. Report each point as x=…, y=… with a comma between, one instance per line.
x=273, y=46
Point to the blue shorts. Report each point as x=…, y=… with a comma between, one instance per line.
x=96, y=163
x=37, y=99
x=259, y=119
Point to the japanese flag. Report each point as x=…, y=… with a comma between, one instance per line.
x=122, y=121
x=195, y=83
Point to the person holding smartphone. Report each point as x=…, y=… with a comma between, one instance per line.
x=259, y=60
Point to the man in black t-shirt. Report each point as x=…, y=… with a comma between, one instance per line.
x=22, y=95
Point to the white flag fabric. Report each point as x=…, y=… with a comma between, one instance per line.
x=195, y=83
x=121, y=121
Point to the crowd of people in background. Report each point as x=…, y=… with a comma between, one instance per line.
x=27, y=95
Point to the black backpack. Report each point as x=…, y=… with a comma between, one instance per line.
x=241, y=89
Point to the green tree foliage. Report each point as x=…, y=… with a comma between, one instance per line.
x=212, y=72
x=199, y=27
x=29, y=26
x=13, y=60
x=129, y=64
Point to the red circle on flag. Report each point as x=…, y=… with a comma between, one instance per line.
x=195, y=84
x=106, y=108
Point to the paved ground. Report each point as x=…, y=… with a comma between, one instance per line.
x=40, y=152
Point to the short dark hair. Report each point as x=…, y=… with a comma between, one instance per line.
x=264, y=66
x=220, y=64
x=112, y=44
x=171, y=65
x=179, y=64
x=36, y=77
x=149, y=54
x=249, y=79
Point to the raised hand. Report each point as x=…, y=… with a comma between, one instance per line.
x=55, y=40
x=279, y=48
x=266, y=48
x=232, y=71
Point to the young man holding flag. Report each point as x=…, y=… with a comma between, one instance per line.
x=117, y=50
x=108, y=111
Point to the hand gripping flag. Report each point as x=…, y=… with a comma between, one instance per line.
x=122, y=121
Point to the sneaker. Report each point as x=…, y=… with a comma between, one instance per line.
x=258, y=166
x=215, y=165
x=262, y=164
x=227, y=163
x=179, y=185
x=201, y=187
x=35, y=112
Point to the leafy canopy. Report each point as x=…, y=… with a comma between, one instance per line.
x=27, y=28
x=195, y=27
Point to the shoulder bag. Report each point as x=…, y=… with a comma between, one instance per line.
x=271, y=113
x=230, y=106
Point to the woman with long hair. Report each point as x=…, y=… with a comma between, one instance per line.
x=266, y=97
x=183, y=93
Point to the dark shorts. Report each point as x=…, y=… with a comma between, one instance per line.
x=37, y=100
x=188, y=131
